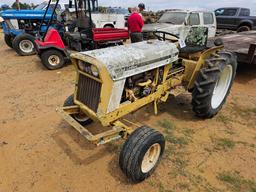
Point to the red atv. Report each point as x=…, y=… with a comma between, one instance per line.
x=55, y=50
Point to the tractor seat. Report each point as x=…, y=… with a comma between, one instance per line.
x=192, y=49
x=76, y=36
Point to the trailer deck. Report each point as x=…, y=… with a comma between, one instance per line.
x=243, y=44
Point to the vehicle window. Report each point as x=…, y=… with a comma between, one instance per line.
x=118, y=11
x=194, y=19
x=41, y=6
x=226, y=12
x=53, y=5
x=177, y=18
x=244, y=12
x=208, y=19
x=219, y=12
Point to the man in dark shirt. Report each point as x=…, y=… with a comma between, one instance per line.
x=141, y=7
x=135, y=24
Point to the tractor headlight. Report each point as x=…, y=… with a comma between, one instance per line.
x=94, y=71
x=88, y=68
x=81, y=65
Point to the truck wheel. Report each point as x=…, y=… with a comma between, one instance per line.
x=8, y=40
x=24, y=44
x=243, y=28
x=109, y=26
x=213, y=85
x=53, y=59
x=81, y=118
x=141, y=153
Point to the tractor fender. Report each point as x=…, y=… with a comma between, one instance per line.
x=41, y=49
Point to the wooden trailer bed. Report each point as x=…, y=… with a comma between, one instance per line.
x=243, y=44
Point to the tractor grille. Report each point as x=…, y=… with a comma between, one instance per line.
x=88, y=92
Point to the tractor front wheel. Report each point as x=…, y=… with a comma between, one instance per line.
x=24, y=44
x=81, y=117
x=213, y=84
x=53, y=59
x=8, y=40
x=141, y=153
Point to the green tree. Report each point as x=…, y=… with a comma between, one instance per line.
x=22, y=6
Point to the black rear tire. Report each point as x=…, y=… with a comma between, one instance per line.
x=8, y=40
x=80, y=118
x=53, y=59
x=24, y=44
x=206, y=103
x=136, y=148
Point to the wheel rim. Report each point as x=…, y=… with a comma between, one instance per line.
x=150, y=158
x=222, y=86
x=54, y=60
x=26, y=46
x=81, y=117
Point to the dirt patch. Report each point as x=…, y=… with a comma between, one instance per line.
x=40, y=152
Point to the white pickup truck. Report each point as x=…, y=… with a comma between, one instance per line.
x=173, y=21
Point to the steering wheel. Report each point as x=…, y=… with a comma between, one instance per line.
x=163, y=36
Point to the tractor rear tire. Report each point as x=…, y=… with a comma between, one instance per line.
x=24, y=44
x=213, y=84
x=141, y=153
x=80, y=118
x=53, y=59
x=8, y=40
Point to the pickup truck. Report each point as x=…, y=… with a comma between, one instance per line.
x=174, y=21
x=235, y=18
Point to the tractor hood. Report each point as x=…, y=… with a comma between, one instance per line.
x=155, y=26
x=25, y=14
x=131, y=59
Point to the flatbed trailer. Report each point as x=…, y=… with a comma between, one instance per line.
x=243, y=44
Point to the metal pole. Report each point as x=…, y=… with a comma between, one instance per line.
x=76, y=8
x=49, y=23
x=90, y=13
x=47, y=8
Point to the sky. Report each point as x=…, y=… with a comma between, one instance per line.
x=165, y=4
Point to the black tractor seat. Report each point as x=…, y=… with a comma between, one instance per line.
x=192, y=49
x=76, y=36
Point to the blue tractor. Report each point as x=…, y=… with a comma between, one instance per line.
x=22, y=26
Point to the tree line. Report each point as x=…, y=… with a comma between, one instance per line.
x=15, y=6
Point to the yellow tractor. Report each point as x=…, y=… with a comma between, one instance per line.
x=113, y=82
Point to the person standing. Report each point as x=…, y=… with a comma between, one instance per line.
x=141, y=7
x=135, y=24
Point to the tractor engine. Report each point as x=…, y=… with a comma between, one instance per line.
x=138, y=86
